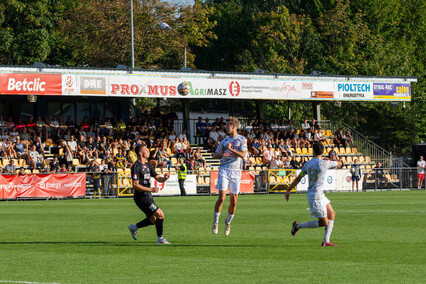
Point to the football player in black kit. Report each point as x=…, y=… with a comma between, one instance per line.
x=141, y=175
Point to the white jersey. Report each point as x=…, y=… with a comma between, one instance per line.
x=421, y=164
x=232, y=162
x=316, y=169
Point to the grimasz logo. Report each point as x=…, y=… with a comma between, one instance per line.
x=151, y=90
x=206, y=92
x=35, y=85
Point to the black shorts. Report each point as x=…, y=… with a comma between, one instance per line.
x=355, y=178
x=147, y=205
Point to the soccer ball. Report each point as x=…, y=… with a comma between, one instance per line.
x=352, y=170
x=184, y=89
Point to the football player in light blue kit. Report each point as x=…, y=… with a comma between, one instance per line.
x=231, y=151
x=319, y=205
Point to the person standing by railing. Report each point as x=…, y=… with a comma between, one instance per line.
x=421, y=166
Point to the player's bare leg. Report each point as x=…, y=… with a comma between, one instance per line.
x=217, y=209
x=231, y=212
x=329, y=226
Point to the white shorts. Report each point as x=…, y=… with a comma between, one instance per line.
x=318, y=207
x=229, y=179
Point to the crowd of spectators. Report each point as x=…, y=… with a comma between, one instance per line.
x=106, y=145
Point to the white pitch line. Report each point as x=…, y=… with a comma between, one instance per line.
x=27, y=282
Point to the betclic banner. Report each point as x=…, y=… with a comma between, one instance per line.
x=31, y=84
x=39, y=185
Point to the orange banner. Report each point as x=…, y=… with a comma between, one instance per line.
x=246, y=185
x=38, y=185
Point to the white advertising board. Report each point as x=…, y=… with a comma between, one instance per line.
x=329, y=182
x=171, y=186
x=232, y=88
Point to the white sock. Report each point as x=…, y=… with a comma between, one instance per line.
x=216, y=218
x=310, y=224
x=229, y=218
x=328, y=230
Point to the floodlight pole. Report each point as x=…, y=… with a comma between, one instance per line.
x=132, y=38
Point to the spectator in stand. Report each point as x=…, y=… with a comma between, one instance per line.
x=332, y=155
x=199, y=127
x=10, y=168
x=305, y=125
x=21, y=171
x=30, y=125
x=314, y=125
x=302, y=161
x=13, y=134
x=356, y=174
x=274, y=125
x=221, y=133
x=132, y=154
x=39, y=146
x=199, y=157
x=62, y=124
x=339, y=138
x=54, y=166
x=182, y=135
x=213, y=138
x=67, y=135
x=35, y=160
x=73, y=145
x=421, y=166
x=39, y=124
x=70, y=123
x=295, y=164
x=20, y=149
x=255, y=147
x=268, y=155
x=207, y=129
x=380, y=175
x=164, y=156
x=154, y=158
x=319, y=137
x=20, y=125
x=85, y=123
x=276, y=163
x=10, y=123
x=172, y=136
x=349, y=139
x=54, y=123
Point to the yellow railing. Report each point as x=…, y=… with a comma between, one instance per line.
x=277, y=177
x=124, y=183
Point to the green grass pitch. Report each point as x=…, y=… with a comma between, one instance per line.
x=382, y=238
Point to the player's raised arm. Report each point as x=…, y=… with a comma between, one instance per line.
x=293, y=185
x=162, y=178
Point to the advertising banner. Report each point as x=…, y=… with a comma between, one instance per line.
x=31, y=84
x=392, y=91
x=171, y=186
x=344, y=181
x=225, y=88
x=37, y=185
x=329, y=181
x=246, y=185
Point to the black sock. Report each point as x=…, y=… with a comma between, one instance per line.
x=145, y=222
x=159, y=227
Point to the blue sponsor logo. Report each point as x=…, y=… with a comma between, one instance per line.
x=354, y=87
x=303, y=180
x=329, y=179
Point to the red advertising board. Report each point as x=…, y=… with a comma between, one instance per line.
x=30, y=84
x=37, y=185
x=246, y=185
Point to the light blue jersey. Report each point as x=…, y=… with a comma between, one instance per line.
x=232, y=162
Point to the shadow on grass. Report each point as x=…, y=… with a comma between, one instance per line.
x=125, y=244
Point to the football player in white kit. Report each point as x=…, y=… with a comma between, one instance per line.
x=231, y=151
x=319, y=205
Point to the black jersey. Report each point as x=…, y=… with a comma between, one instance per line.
x=143, y=173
